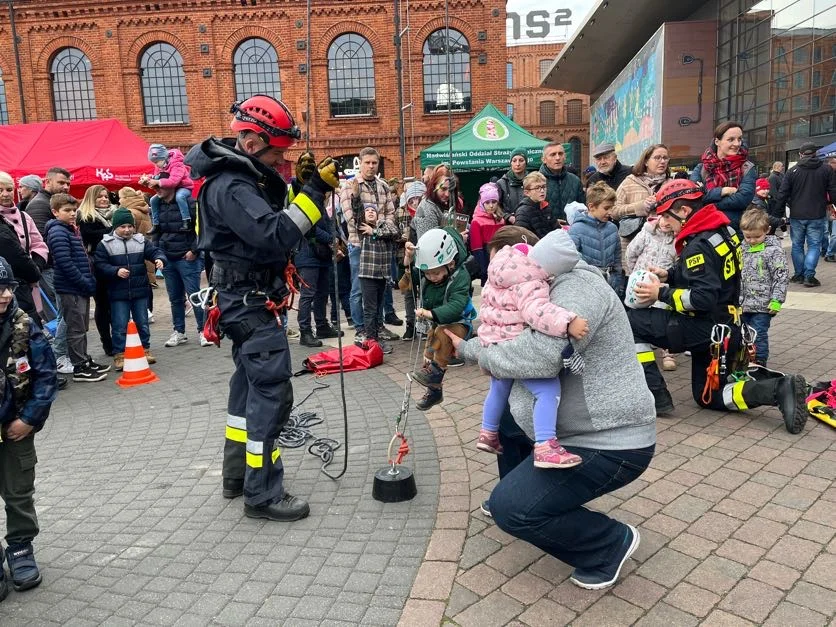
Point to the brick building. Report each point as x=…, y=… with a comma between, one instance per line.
x=545, y=112
x=170, y=70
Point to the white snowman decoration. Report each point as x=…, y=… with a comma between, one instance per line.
x=630, y=298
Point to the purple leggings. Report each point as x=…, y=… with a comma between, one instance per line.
x=546, y=399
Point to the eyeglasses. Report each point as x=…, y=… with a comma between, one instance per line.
x=536, y=188
x=660, y=158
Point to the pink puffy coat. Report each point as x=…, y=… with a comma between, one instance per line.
x=516, y=296
x=24, y=224
x=178, y=173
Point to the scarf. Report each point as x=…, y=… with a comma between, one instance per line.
x=726, y=172
x=708, y=218
x=513, y=179
x=653, y=181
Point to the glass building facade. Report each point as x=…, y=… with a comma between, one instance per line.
x=776, y=74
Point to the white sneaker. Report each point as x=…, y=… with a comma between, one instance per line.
x=204, y=341
x=150, y=317
x=65, y=366
x=176, y=339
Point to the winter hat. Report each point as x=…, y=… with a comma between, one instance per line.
x=523, y=248
x=488, y=192
x=32, y=181
x=519, y=151
x=157, y=152
x=7, y=277
x=121, y=217
x=590, y=170
x=572, y=210
x=762, y=184
x=556, y=253
x=416, y=189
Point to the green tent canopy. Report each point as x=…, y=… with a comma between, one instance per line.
x=486, y=143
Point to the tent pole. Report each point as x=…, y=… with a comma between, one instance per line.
x=451, y=201
x=17, y=61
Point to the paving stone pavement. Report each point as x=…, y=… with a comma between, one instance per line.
x=134, y=529
x=737, y=516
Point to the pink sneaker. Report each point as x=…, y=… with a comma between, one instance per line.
x=550, y=454
x=489, y=442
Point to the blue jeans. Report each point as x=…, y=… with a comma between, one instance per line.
x=830, y=234
x=546, y=508
x=760, y=323
x=181, y=197
x=355, y=298
x=546, y=399
x=182, y=278
x=123, y=310
x=811, y=232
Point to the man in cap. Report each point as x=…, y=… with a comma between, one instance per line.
x=806, y=189
x=27, y=187
x=702, y=292
x=609, y=168
x=28, y=385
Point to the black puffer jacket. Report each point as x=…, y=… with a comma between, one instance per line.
x=25, y=270
x=171, y=240
x=806, y=188
x=38, y=208
x=114, y=253
x=614, y=177
x=534, y=218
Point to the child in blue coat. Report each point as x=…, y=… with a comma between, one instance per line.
x=596, y=238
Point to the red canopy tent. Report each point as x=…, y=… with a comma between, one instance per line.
x=103, y=152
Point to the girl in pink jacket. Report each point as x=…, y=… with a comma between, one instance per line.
x=516, y=298
x=170, y=172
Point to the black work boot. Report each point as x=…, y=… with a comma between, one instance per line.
x=306, y=338
x=432, y=397
x=791, y=397
x=327, y=332
x=22, y=566
x=664, y=402
x=290, y=508
x=429, y=375
x=409, y=332
x=232, y=488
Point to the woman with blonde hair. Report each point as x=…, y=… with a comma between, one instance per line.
x=93, y=221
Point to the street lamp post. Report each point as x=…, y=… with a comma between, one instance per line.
x=17, y=60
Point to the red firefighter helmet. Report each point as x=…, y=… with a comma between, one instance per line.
x=268, y=117
x=674, y=190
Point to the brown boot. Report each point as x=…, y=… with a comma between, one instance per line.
x=150, y=357
x=118, y=362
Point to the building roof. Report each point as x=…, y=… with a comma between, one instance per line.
x=611, y=35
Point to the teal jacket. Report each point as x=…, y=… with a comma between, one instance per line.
x=561, y=188
x=449, y=300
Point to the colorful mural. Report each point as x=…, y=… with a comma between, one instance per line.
x=629, y=112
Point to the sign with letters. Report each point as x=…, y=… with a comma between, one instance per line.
x=535, y=22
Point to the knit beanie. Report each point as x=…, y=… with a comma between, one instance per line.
x=556, y=253
x=32, y=181
x=521, y=152
x=415, y=189
x=762, y=184
x=157, y=152
x=122, y=216
x=7, y=277
x=488, y=191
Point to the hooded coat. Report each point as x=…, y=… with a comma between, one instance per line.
x=650, y=247
x=598, y=244
x=530, y=215
x=765, y=275
x=516, y=297
x=449, y=299
x=177, y=174
x=115, y=252
x=482, y=228
x=73, y=272
x=806, y=188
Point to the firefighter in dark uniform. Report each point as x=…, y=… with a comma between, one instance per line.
x=248, y=231
x=703, y=290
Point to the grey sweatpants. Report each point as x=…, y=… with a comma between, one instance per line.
x=75, y=310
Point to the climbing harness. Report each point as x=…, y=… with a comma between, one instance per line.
x=720, y=337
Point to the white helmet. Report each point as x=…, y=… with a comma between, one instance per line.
x=435, y=248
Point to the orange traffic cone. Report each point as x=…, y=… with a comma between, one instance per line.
x=136, y=371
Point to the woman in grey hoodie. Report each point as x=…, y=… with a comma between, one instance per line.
x=607, y=416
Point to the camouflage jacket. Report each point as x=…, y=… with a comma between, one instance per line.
x=765, y=275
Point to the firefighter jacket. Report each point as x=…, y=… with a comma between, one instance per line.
x=705, y=279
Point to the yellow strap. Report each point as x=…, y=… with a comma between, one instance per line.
x=236, y=435
x=256, y=461
x=308, y=207
x=645, y=357
x=737, y=396
x=722, y=249
x=677, y=300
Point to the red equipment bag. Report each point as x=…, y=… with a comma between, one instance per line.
x=354, y=358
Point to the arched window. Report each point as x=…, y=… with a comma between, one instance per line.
x=440, y=90
x=72, y=86
x=574, y=112
x=256, y=68
x=547, y=113
x=351, y=76
x=4, y=109
x=164, y=97
x=575, y=143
